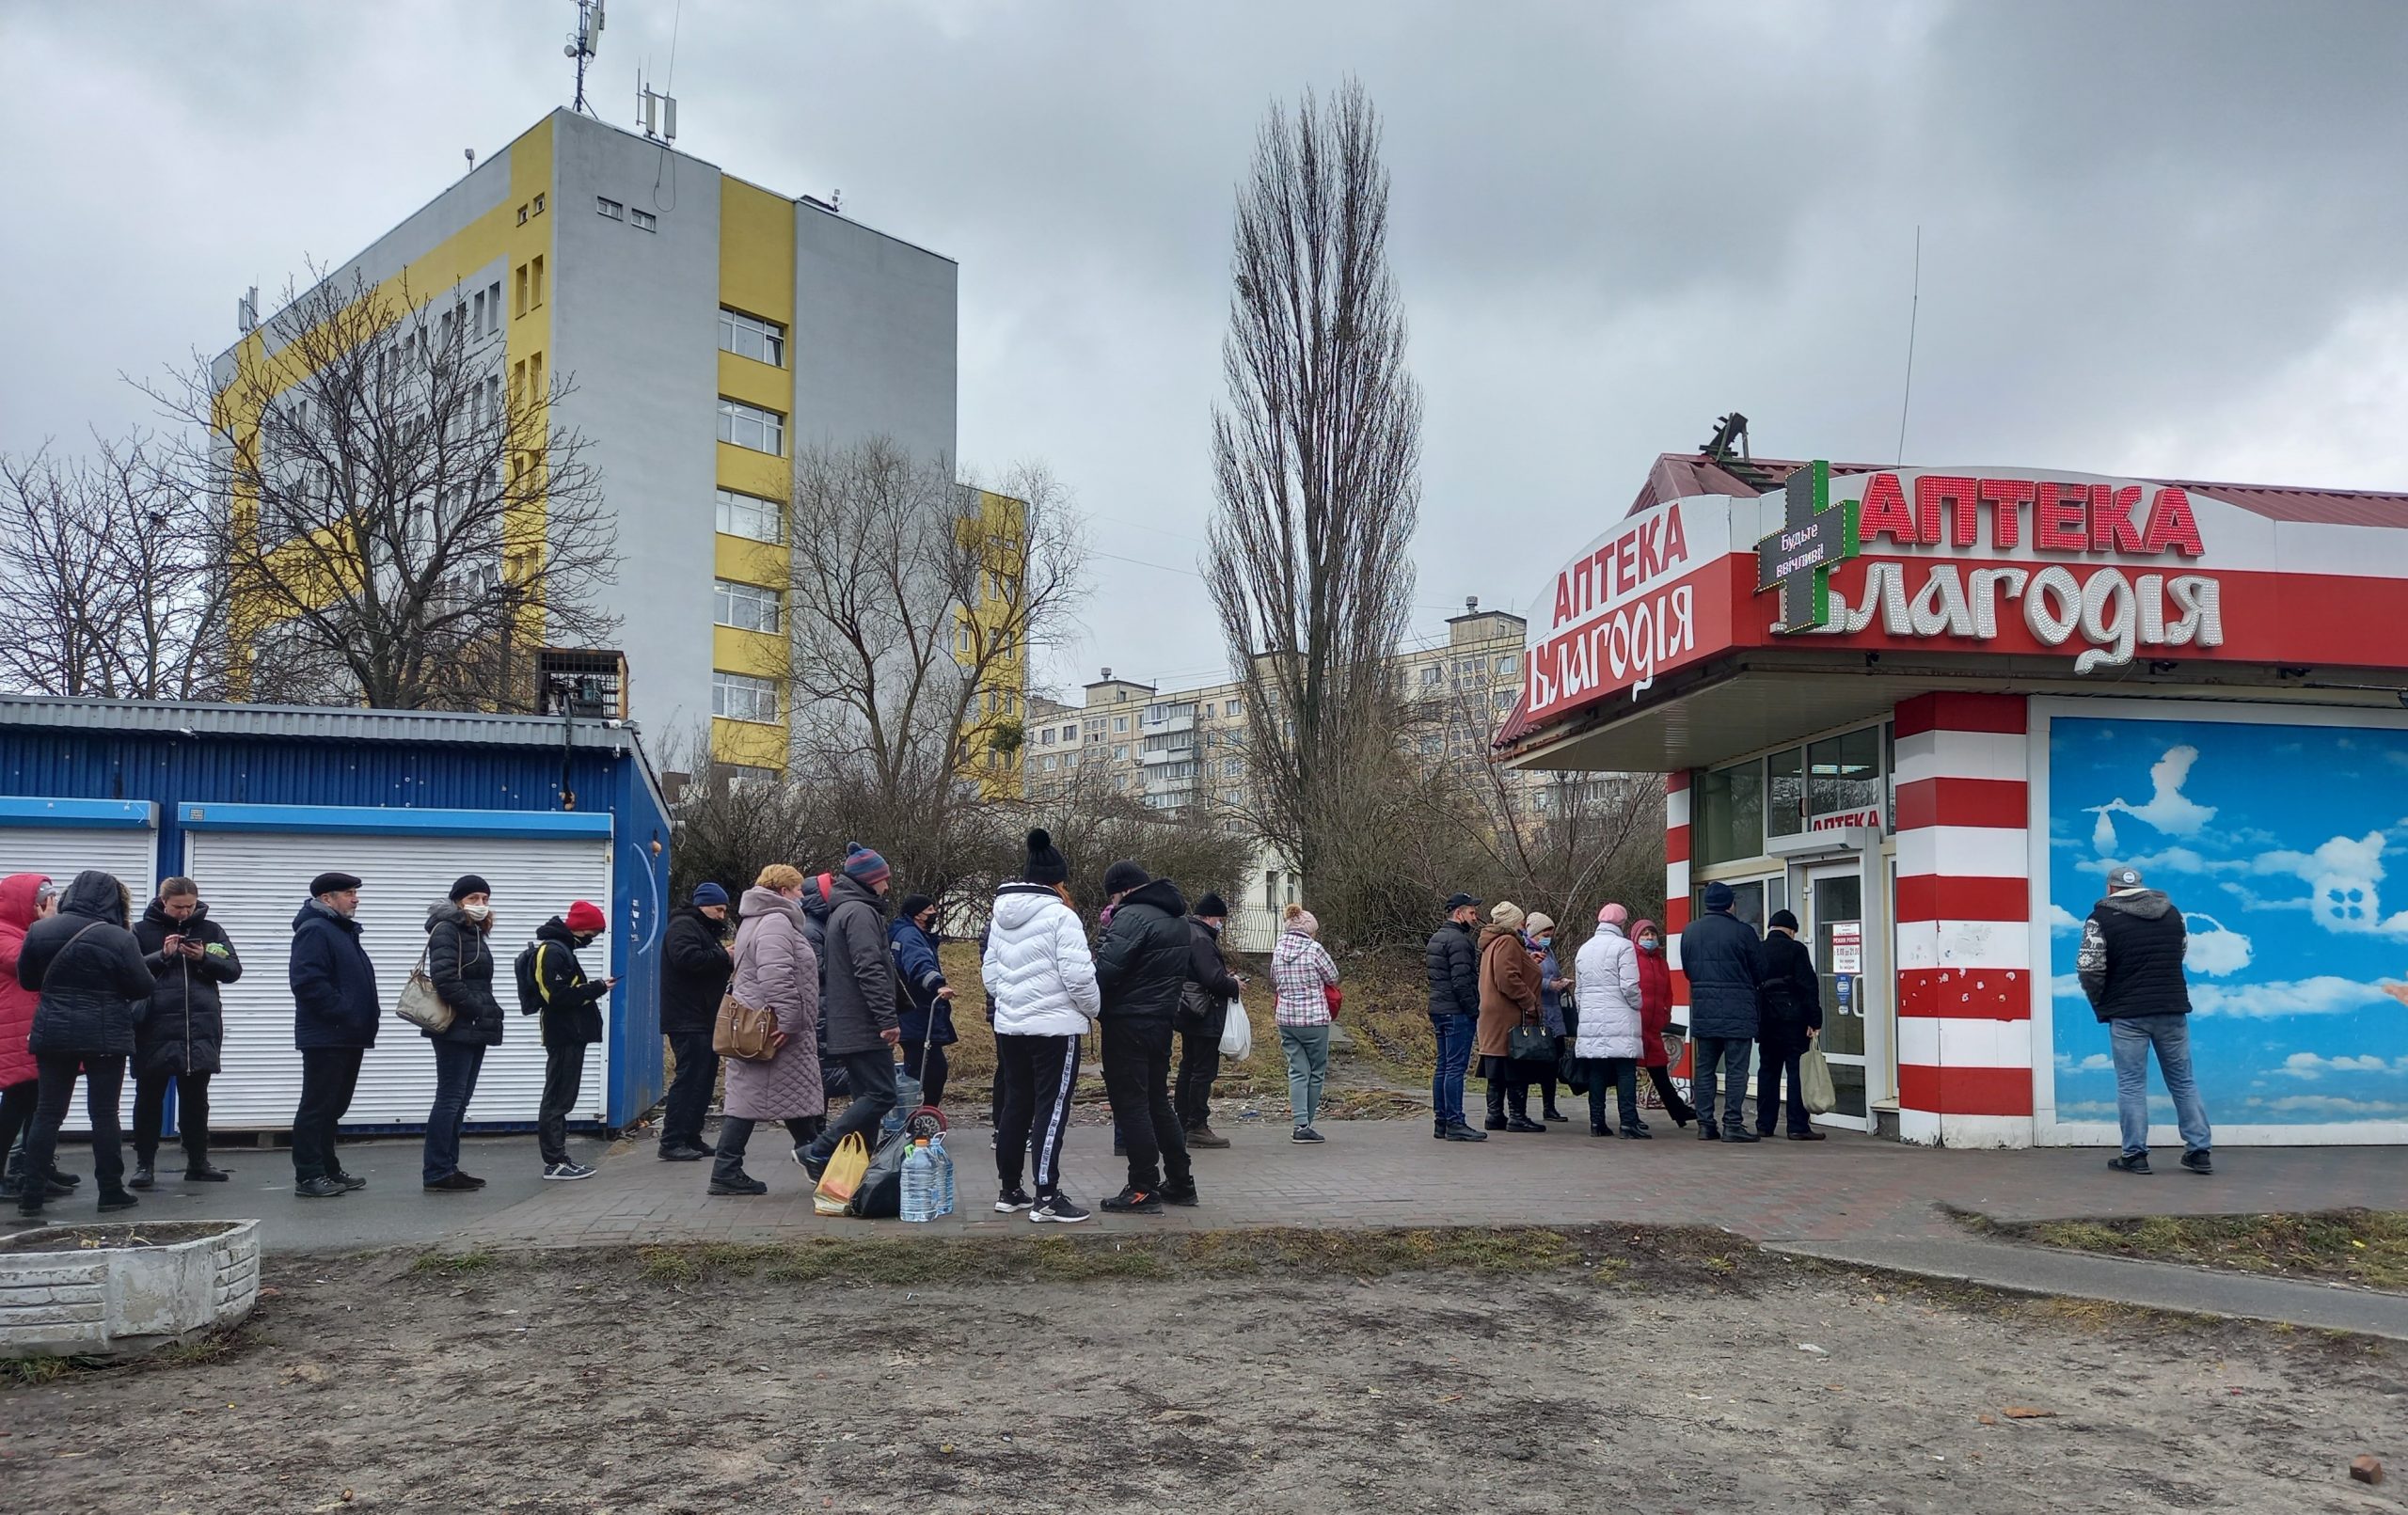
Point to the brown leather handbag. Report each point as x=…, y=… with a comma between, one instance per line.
x=743, y=1033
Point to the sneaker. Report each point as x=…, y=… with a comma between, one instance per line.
x=351, y=1181
x=319, y=1188
x=1012, y=1200
x=143, y=1177
x=2201, y=1162
x=2130, y=1162
x=1307, y=1135
x=1458, y=1131
x=810, y=1166
x=737, y=1183
x=454, y=1182
x=1182, y=1194
x=1204, y=1136
x=117, y=1199
x=683, y=1152
x=202, y=1173
x=1060, y=1209
x=561, y=1173
x=1134, y=1202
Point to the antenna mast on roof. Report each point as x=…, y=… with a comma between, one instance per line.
x=583, y=43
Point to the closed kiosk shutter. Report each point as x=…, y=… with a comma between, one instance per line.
x=256, y=882
x=130, y=853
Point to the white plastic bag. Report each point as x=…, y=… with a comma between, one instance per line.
x=1236, y=1032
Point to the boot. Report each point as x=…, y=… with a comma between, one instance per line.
x=1204, y=1136
x=1496, y=1106
x=143, y=1177
x=1518, y=1101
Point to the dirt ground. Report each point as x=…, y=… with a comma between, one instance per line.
x=1605, y=1372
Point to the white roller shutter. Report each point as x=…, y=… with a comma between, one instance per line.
x=256, y=882
x=130, y=852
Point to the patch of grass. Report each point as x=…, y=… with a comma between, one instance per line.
x=26, y=1372
x=452, y=1264
x=2368, y=1247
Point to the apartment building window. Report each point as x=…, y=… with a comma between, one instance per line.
x=1069, y=760
x=1231, y=768
x=536, y=268
x=539, y=205
x=745, y=606
x=751, y=516
x=750, y=426
x=742, y=697
x=1120, y=753
x=1070, y=734
x=522, y=215
x=1232, y=708
x=477, y=314
x=1510, y=663
x=1119, y=724
x=1049, y=763
x=764, y=341
x=610, y=208
x=643, y=220
x=519, y=294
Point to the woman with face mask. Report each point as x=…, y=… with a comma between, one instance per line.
x=459, y=963
x=1655, y=1019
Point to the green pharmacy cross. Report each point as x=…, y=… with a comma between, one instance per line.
x=1815, y=538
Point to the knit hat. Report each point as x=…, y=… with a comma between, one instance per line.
x=1124, y=876
x=1300, y=918
x=1538, y=923
x=585, y=918
x=1612, y=915
x=1718, y=896
x=468, y=884
x=912, y=906
x=1505, y=913
x=1045, y=865
x=1212, y=908
x=1781, y=919
x=707, y=892
x=332, y=884
x=865, y=867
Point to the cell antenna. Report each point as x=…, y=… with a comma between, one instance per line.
x=583, y=43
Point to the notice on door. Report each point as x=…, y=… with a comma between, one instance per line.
x=1848, y=947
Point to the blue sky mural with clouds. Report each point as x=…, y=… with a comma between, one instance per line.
x=2273, y=840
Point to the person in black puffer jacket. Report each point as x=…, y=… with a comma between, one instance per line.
x=459, y=963
x=695, y=967
x=1724, y=960
x=1142, y=969
x=1452, y=964
x=182, y=1028
x=94, y=987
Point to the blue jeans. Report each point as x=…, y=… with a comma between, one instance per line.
x=455, y=1084
x=1719, y=1064
x=1307, y=1052
x=1454, y=1058
x=2133, y=1036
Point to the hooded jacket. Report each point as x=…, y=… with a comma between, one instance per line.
x=16, y=1002
x=89, y=972
x=1654, y=996
x=1606, y=974
x=1509, y=990
x=1453, y=962
x=775, y=969
x=552, y=984
x=184, y=1026
x=858, y=1003
x=1725, y=964
x=925, y=1018
x=459, y=963
x=2131, y=956
x=1040, y=976
x=1204, y=1001
x=695, y=967
x=334, y=985
x=1141, y=965
x=1301, y=974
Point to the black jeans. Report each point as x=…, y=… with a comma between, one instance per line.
x=1136, y=1077
x=457, y=1064
x=690, y=1088
x=104, y=1085
x=1780, y=1063
x=564, y=1073
x=151, y=1116
x=1033, y=1077
x=736, y=1133
x=871, y=1077
x=1722, y=1062
x=1199, y=1064
x=926, y=1062
x=1679, y=1109
x=329, y=1075
x=1622, y=1073
x=17, y=1103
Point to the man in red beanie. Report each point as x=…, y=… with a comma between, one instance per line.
x=552, y=984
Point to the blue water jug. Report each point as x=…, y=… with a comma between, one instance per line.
x=919, y=1184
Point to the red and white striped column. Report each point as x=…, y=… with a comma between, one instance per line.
x=1676, y=895
x=1964, y=942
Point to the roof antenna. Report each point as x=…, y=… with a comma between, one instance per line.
x=1915, y=311
x=583, y=43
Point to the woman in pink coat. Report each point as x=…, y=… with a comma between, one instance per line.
x=25, y=898
x=776, y=971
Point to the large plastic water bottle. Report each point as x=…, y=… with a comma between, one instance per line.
x=944, y=1161
x=919, y=1183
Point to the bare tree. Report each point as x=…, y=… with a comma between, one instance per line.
x=915, y=603
x=401, y=522
x=1316, y=474
x=110, y=583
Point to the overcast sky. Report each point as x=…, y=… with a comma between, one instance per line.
x=2157, y=238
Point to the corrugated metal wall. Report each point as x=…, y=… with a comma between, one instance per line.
x=173, y=770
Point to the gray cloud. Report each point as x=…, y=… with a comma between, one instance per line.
x=2156, y=237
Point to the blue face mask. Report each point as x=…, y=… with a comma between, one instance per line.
x=1651, y=945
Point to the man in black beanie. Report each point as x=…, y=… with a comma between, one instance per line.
x=1792, y=1018
x=1203, y=1013
x=1142, y=967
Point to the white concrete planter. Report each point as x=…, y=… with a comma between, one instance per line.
x=124, y=1288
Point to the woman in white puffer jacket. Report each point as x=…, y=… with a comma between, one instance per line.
x=1606, y=977
x=1041, y=995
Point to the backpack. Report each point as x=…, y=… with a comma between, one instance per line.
x=534, y=995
